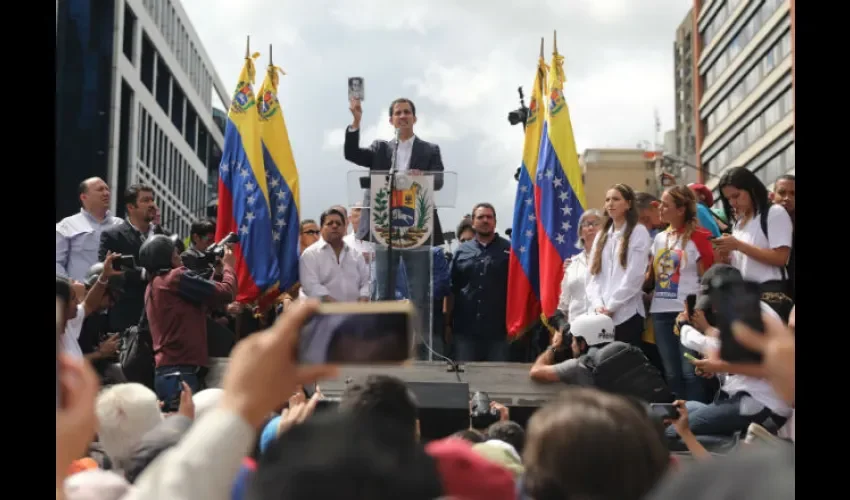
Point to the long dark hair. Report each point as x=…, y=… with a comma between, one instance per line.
x=743, y=179
x=631, y=221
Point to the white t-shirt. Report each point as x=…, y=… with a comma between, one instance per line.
x=780, y=231
x=676, y=272
x=70, y=337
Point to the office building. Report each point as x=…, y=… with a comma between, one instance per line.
x=134, y=93
x=602, y=168
x=683, y=144
x=744, y=91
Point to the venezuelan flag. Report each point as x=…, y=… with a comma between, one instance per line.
x=282, y=177
x=523, y=307
x=560, y=190
x=243, y=195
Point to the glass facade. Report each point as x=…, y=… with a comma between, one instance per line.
x=84, y=47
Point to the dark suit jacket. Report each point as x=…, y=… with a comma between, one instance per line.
x=123, y=239
x=379, y=156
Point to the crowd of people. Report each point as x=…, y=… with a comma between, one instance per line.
x=638, y=325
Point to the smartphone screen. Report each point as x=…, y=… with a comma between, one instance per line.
x=737, y=301
x=358, y=333
x=124, y=262
x=664, y=410
x=690, y=304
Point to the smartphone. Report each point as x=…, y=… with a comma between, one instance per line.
x=124, y=262
x=665, y=410
x=358, y=333
x=355, y=88
x=173, y=403
x=737, y=301
x=690, y=357
x=690, y=304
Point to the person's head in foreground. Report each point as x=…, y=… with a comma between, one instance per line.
x=344, y=455
x=383, y=396
x=590, y=444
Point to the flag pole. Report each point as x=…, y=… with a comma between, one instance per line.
x=248, y=48
x=555, y=43
x=541, y=48
x=270, y=55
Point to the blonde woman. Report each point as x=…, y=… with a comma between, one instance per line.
x=680, y=254
x=574, y=301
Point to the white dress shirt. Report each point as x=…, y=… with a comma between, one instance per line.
x=345, y=279
x=614, y=288
x=405, y=150
x=78, y=241
x=574, y=300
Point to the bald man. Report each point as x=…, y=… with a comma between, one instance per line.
x=78, y=236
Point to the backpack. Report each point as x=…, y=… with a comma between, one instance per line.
x=622, y=368
x=136, y=354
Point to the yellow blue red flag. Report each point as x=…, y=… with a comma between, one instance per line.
x=243, y=195
x=523, y=306
x=282, y=177
x=560, y=190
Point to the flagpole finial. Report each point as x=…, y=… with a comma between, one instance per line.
x=248, y=47
x=271, y=63
x=555, y=42
x=541, y=48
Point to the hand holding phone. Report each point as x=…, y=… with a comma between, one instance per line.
x=123, y=263
x=665, y=411
x=690, y=304
x=737, y=301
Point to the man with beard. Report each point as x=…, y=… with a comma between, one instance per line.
x=126, y=239
x=475, y=315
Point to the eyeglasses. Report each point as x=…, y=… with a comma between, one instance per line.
x=590, y=223
x=311, y=232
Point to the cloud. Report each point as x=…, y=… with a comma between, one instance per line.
x=461, y=62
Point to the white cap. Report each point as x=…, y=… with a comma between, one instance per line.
x=593, y=328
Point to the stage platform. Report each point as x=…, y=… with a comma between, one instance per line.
x=507, y=383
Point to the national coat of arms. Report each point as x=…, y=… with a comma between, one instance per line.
x=409, y=208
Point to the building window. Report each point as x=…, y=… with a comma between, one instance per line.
x=163, y=85
x=129, y=32
x=148, y=61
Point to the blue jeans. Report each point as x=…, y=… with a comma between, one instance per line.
x=681, y=378
x=417, y=266
x=167, y=384
x=472, y=349
x=721, y=418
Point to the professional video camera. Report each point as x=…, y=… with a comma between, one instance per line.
x=215, y=252
x=519, y=115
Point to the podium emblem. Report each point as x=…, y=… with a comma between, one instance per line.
x=409, y=208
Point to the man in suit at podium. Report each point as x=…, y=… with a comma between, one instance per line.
x=413, y=156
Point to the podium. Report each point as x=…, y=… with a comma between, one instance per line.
x=402, y=228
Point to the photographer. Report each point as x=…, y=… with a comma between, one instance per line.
x=203, y=257
x=177, y=302
x=745, y=396
x=598, y=360
x=196, y=258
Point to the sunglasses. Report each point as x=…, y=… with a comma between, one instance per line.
x=311, y=232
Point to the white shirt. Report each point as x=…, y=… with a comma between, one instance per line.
x=574, y=300
x=780, y=231
x=71, y=335
x=405, y=150
x=676, y=272
x=345, y=279
x=620, y=290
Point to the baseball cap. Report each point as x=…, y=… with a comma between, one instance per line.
x=704, y=191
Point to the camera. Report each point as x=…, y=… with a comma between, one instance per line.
x=481, y=415
x=519, y=115
x=215, y=252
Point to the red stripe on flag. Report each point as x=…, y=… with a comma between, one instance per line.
x=523, y=308
x=226, y=224
x=551, y=273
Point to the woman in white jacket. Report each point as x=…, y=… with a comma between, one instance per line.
x=618, y=265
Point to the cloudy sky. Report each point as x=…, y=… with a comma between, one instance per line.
x=461, y=62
